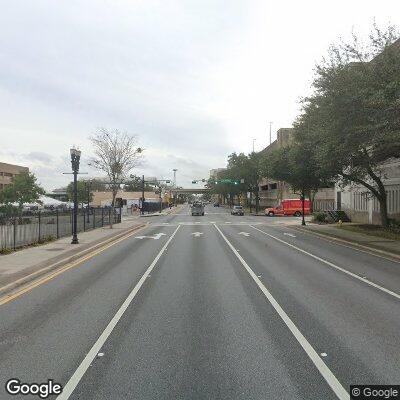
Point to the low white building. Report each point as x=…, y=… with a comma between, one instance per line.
x=360, y=204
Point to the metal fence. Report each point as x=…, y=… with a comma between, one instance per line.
x=41, y=226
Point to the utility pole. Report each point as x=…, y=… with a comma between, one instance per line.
x=174, y=176
x=142, y=208
x=253, y=144
x=270, y=132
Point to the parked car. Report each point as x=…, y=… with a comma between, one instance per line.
x=197, y=209
x=216, y=204
x=289, y=207
x=237, y=210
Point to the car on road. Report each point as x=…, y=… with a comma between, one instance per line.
x=289, y=207
x=237, y=210
x=197, y=209
x=216, y=204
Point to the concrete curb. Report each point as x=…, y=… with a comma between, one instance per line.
x=6, y=289
x=349, y=243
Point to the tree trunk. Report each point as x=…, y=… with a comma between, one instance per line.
x=379, y=193
x=114, y=195
x=257, y=201
x=311, y=196
x=383, y=209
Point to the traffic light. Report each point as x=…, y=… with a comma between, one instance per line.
x=194, y=181
x=167, y=181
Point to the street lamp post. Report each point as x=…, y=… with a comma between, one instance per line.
x=303, y=221
x=75, y=158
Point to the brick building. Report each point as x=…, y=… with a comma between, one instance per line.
x=8, y=171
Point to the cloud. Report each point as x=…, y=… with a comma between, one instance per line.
x=194, y=80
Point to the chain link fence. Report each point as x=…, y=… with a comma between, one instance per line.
x=36, y=227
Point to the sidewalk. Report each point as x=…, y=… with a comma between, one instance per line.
x=22, y=266
x=382, y=245
x=35, y=261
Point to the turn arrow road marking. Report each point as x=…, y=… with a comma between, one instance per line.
x=156, y=236
x=244, y=233
x=197, y=234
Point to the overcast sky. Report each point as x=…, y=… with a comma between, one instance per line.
x=195, y=80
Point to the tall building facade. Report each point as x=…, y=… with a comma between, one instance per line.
x=272, y=192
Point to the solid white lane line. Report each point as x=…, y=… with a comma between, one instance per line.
x=345, y=271
x=85, y=364
x=324, y=370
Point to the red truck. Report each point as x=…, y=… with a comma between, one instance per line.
x=289, y=207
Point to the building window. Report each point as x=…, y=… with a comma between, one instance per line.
x=273, y=186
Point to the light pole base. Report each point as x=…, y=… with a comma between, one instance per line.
x=75, y=240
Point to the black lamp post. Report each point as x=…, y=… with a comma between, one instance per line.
x=303, y=221
x=75, y=158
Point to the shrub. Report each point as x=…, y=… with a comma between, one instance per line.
x=320, y=217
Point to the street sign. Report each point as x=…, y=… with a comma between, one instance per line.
x=232, y=181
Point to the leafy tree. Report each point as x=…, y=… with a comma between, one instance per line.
x=352, y=118
x=246, y=170
x=23, y=189
x=134, y=184
x=83, y=189
x=295, y=164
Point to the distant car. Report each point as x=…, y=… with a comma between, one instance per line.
x=216, y=204
x=237, y=210
x=197, y=209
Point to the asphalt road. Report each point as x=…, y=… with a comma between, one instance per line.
x=213, y=307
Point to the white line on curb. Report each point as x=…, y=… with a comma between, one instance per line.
x=328, y=375
x=78, y=374
x=331, y=264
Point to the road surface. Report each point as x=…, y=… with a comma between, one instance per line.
x=213, y=307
